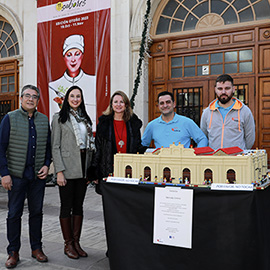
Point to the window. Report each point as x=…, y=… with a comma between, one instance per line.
x=231, y=176
x=7, y=84
x=208, y=175
x=241, y=91
x=167, y=174
x=186, y=176
x=9, y=45
x=188, y=102
x=147, y=174
x=128, y=173
x=237, y=61
x=185, y=15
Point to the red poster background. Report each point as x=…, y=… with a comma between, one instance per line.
x=51, y=66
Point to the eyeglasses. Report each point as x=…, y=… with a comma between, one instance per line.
x=28, y=96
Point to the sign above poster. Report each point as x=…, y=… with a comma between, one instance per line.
x=69, y=8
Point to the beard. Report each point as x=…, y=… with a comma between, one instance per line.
x=225, y=98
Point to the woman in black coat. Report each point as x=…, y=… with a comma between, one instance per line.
x=118, y=130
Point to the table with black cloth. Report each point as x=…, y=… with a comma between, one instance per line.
x=231, y=230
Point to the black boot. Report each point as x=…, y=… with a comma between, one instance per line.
x=77, y=228
x=69, y=249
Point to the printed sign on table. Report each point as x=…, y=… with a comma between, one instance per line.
x=173, y=217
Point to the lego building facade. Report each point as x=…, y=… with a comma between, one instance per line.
x=178, y=162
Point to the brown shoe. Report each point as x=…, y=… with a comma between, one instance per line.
x=77, y=228
x=12, y=260
x=39, y=255
x=69, y=249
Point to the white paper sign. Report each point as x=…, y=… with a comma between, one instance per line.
x=205, y=70
x=237, y=187
x=173, y=217
x=123, y=180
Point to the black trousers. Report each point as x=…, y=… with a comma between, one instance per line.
x=72, y=195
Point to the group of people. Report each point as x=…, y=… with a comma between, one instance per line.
x=226, y=122
x=27, y=146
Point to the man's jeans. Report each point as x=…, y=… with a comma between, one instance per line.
x=33, y=190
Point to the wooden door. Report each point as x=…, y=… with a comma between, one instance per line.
x=9, y=92
x=263, y=127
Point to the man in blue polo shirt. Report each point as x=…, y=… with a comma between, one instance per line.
x=172, y=128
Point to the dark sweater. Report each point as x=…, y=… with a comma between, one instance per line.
x=106, y=145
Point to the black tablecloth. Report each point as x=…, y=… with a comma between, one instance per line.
x=230, y=230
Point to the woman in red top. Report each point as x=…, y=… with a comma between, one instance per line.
x=118, y=130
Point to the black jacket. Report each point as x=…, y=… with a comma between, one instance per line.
x=106, y=146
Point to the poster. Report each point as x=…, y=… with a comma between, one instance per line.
x=74, y=49
x=173, y=210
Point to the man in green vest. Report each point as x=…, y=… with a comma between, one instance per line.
x=25, y=157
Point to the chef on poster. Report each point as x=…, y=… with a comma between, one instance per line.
x=73, y=41
x=73, y=53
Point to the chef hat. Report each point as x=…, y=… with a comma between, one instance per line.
x=73, y=42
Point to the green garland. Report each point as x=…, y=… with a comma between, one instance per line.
x=143, y=49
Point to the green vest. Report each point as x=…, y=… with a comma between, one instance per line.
x=18, y=141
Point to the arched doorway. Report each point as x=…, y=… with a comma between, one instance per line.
x=147, y=173
x=128, y=172
x=195, y=41
x=166, y=174
x=231, y=176
x=9, y=73
x=208, y=176
x=186, y=176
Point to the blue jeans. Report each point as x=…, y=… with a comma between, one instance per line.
x=34, y=191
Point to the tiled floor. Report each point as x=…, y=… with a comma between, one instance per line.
x=93, y=235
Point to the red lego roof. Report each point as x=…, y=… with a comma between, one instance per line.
x=229, y=150
x=203, y=150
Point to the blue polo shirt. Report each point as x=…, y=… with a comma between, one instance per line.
x=222, y=110
x=180, y=130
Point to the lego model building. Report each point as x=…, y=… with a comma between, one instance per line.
x=196, y=166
